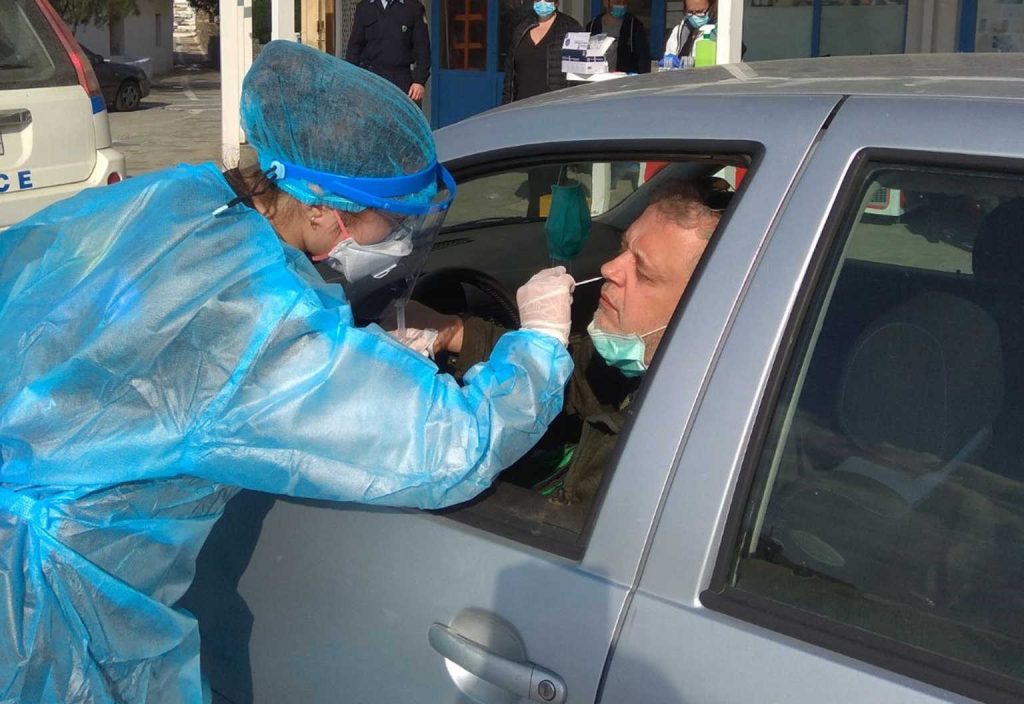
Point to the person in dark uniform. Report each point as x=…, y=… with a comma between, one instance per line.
x=390, y=38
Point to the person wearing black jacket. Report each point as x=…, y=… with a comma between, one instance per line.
x=633, y=53
x=389, y=36
x=533, y=64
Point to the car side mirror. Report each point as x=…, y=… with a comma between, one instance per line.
x=96, y=59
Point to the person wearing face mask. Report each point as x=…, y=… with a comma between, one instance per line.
x=696, y=14
x=168, y=341
x=533, y=64
x=632, y=52
x=642, y=287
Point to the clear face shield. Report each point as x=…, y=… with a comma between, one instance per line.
x=383, y=248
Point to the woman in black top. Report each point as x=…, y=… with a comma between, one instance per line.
x=533, y=64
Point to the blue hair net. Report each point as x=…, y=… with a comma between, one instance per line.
x=305, y=107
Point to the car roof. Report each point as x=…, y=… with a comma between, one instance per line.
x=989, y=75
x=652, y=106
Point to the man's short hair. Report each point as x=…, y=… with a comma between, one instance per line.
x=684, y=204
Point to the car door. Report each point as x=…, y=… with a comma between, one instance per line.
x=358, y=605
x=817, y=544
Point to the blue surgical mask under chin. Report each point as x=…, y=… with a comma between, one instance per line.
x=624, y=352
x=696, y=21
x=618, y=11
x=543, y=9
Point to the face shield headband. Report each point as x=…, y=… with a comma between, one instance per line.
x=378, y=193
x=376, y=275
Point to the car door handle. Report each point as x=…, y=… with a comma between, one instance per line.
x=523, y=679
x=16, y=119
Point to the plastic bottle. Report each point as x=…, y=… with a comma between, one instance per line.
x=705, y=48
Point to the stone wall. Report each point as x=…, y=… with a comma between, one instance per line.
x=192, y=35
x=184, y=19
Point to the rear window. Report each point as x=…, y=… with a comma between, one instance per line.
x=30, y=54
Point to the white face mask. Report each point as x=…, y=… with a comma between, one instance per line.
x=361, y=261
x=357, y=262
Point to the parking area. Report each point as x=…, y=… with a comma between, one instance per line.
x=178, y=122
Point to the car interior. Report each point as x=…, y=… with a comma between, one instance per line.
x=892, y=483
x=490, y=245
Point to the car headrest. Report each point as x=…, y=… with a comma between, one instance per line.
x=998, y=253
x=924, y=377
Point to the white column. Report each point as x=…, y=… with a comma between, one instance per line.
x=235, y=59
x=600, y=187
x=282, y=19
x=730, y=31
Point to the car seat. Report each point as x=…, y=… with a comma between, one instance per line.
x=916, y=399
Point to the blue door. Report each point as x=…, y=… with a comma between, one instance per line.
x=467, y=76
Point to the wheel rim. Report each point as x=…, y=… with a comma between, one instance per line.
x=129, y=96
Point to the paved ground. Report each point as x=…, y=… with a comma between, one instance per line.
x=178, y=122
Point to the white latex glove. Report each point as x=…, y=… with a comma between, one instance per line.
x=421, y=341
x=545, y=302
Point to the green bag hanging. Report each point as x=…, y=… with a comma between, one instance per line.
x=568, y=223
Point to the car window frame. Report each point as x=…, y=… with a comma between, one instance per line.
x=746, y=153
x=887, y=653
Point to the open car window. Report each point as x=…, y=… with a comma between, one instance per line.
x=504, y=226
x=511, y=195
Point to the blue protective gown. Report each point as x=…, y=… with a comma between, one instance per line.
x=154, y=359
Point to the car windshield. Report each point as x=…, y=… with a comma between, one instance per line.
x=30, y=55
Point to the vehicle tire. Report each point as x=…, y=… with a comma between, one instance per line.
x=129, y=95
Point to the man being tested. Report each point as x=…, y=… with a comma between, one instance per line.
x=643, y=285
x=167, y=340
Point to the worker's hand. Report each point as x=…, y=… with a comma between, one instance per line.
x=422, y=341
x=545, y=303
x=418, y=316
x=416, y=91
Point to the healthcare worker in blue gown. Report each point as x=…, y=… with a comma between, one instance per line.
x=167, y=340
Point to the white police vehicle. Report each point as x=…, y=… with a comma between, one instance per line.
x=54, y=133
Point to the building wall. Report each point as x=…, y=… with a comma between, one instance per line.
x=146, y=35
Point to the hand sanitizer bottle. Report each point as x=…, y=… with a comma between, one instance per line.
x=705, y=48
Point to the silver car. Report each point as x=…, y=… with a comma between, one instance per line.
x=819, y=495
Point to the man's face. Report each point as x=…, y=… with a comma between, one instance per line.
x=644, y=283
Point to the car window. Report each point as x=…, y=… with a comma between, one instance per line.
x=889, y=494
x=921, y=223
x=495, y=242
x=30, y=56
x=527, y=192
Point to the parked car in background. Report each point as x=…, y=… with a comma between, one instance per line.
x=819, y=495
x=124, y=85
x=54, y=133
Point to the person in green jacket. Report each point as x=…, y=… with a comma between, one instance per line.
x=643, y=286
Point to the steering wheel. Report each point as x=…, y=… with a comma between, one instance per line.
x=454, y=291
